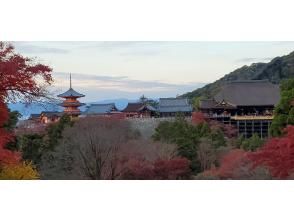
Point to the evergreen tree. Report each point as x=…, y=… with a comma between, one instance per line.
x=284, y=111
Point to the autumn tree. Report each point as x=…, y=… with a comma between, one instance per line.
x=88, y=150
x=21, y=78
x=198, y=118
x=20, y=171
x=106, y=148
x=277, y=155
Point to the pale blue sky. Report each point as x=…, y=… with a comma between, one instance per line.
x=106, y=70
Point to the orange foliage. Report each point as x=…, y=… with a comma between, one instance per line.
x=198, y=118
x=17, y=81
x=277, y=155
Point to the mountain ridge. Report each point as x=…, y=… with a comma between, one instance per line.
x=275, y=71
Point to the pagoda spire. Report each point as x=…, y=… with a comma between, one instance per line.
x=71, y=104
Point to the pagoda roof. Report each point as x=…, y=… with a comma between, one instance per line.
x=71, y=93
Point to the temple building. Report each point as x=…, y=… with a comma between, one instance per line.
x=101, y=110
x=248, y=105
x=139, y=110
x=71, y=104
x=49, y=117
x=170, y=107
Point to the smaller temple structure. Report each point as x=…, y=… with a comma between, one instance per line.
x=139, y=110
x=49, y=117
x=101, y=110
x=71, y=104
x=170, y=107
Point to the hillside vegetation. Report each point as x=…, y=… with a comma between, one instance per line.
x=275, y=71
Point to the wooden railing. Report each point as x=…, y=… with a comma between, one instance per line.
x=253, y=117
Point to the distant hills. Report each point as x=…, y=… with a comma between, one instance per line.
x=278, y=69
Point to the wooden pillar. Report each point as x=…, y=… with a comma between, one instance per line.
x=245, y=128
x=261, y=134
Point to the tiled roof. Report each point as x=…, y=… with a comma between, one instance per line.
x=137, y=107
x=174, y=105
x=249, y=93
x=50, y=114
x=35, y=116
x=71, y=93
x=94, y=109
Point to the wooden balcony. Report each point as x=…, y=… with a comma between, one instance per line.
x=252, y=117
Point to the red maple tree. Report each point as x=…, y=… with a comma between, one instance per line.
x=160, y=169
x=229, y=163
x=198, y=118
x=277, y=155
x=23, y=79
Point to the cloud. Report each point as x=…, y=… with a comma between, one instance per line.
x=26, y=47
x=97, y=87
x=254, y=59
x=127, y=48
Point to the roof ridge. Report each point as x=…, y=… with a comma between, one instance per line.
x=101, y=104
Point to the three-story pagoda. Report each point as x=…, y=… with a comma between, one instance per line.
x=71, y=104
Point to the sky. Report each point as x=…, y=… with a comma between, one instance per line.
x=105, y=70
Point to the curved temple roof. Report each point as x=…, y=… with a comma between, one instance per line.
x=71, y=93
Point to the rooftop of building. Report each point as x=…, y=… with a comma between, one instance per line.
x=100, y=109
x=245, y=93
x=137, y=107
x=174, y=105
x=71, y=93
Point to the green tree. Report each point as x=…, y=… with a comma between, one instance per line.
x=284, y=111
x=32, y=146
x=10, y=125
x=196, y=102
x=54, y=131
x=252, y=143
x=188, y=138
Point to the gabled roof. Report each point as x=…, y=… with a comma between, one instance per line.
x=137, y=107
x=34, y=116
x=71, y=93
x=50, y=114
x=249, y=93
x=97, y=109
x=174, y=105
x=212, y=104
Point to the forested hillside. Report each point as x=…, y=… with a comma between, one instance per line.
x=278, y=69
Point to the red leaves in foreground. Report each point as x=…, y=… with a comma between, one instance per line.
x=277, y=155
x=18, y=75
x=18, y=80
x=230, y=162
x=160, y=169
x=6, y=156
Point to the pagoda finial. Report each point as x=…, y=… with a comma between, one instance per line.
x=70, y=80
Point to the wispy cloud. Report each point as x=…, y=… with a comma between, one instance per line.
x=105, y=87
x=26, y=47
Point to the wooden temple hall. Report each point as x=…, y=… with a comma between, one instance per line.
x=248, y=105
